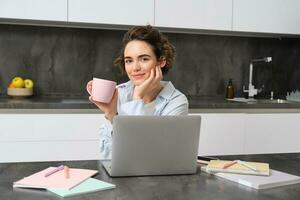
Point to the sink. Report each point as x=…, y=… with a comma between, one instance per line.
x=273, y=101
x=243, y=100
x=260, y=101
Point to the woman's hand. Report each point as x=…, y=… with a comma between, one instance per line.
x=109, y=109
x=150, y=88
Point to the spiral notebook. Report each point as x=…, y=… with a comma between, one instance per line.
x=217, y=166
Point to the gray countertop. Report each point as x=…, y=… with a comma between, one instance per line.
x=67, y=102
x=198, y=186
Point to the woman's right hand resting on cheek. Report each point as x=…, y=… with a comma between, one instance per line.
x=109, y=109
x=150, y=88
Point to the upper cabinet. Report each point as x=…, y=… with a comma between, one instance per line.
x=119, y=12
x=252, y=16
x=194, y=14
x=266, y=16
x=54, y=10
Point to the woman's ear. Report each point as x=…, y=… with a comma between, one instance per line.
x=162, y=62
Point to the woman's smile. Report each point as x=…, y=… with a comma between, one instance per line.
x=138, y=76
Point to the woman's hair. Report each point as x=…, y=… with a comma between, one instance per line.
x=161, y=46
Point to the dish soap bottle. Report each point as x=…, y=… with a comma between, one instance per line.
x=229, y=90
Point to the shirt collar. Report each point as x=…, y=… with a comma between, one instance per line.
x=167, y=91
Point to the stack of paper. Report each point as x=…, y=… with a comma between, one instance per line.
x=78, y=182
x=275, y=179
x=218, y=166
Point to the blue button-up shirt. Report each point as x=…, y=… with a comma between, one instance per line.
x=169, y=101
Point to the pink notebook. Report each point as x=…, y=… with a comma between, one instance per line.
x=56, y=180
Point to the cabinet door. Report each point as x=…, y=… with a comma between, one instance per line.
x=269, y=16
x=50, y=127
x=44, y=137
x=195, y=14
x=272, y=133
x=130, y=12
x=221, y=134
x=53, y=10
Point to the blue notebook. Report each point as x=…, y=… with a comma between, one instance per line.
x=90, y=185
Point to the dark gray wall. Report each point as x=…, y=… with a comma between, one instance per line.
x=62, y=60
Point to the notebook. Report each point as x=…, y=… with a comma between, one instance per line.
x=89, y=185
x=217, y=166
x=56, y=180
x=276, y=179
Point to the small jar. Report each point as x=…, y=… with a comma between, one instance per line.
x=229, y=90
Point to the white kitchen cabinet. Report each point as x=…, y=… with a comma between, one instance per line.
x=194, y=14
x=221, y=134
x=43, y=137
x=272, y=133
x=120, y=12
x=266, y=16
x=54, y=10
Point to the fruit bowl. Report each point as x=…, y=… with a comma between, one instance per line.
x=19, y=92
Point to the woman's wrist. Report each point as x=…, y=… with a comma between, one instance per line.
x=109, y=116
x=137, y=96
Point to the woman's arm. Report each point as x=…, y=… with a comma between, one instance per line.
x=106, y=140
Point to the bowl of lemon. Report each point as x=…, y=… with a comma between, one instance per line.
x=20, y=87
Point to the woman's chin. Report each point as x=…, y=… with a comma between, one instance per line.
x=137, y=82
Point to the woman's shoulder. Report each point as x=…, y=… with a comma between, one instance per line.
x=171, y=93
x=125, y=85
x=176, y=103
x=125, y=90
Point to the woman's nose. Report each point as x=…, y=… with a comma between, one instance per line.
x=136, y=66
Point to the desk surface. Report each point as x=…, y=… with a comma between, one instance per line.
x=186, y=187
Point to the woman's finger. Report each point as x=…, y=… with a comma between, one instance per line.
x=151, y=77
x=89, y=86
x=158, y=74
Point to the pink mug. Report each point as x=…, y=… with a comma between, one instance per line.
x=101, y=90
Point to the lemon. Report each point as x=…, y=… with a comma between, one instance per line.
x=18, y=82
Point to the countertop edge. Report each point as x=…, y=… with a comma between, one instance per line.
x=191, y=111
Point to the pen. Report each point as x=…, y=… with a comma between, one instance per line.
x=247, y=165
x=202, y=162
x=61, y=167
x=230, y=163
x=67, y=172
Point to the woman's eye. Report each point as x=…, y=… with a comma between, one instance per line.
x=128, y=61
x=145, y=59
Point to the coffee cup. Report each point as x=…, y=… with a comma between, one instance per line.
x=101, y=90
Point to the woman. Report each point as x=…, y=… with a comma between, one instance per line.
x=146, y=55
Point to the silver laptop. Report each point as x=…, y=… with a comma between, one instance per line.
x=154, y=145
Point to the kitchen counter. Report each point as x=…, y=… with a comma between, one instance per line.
x=198, y=186
x=67, y=102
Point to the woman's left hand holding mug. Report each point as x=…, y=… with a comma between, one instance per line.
x=109, y=109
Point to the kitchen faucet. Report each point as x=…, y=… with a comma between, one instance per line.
x=251, y=89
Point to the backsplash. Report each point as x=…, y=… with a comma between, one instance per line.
x=62, y=60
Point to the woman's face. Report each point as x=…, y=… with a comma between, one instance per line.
x=139, y=59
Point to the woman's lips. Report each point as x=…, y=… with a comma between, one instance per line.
x=138, y=76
